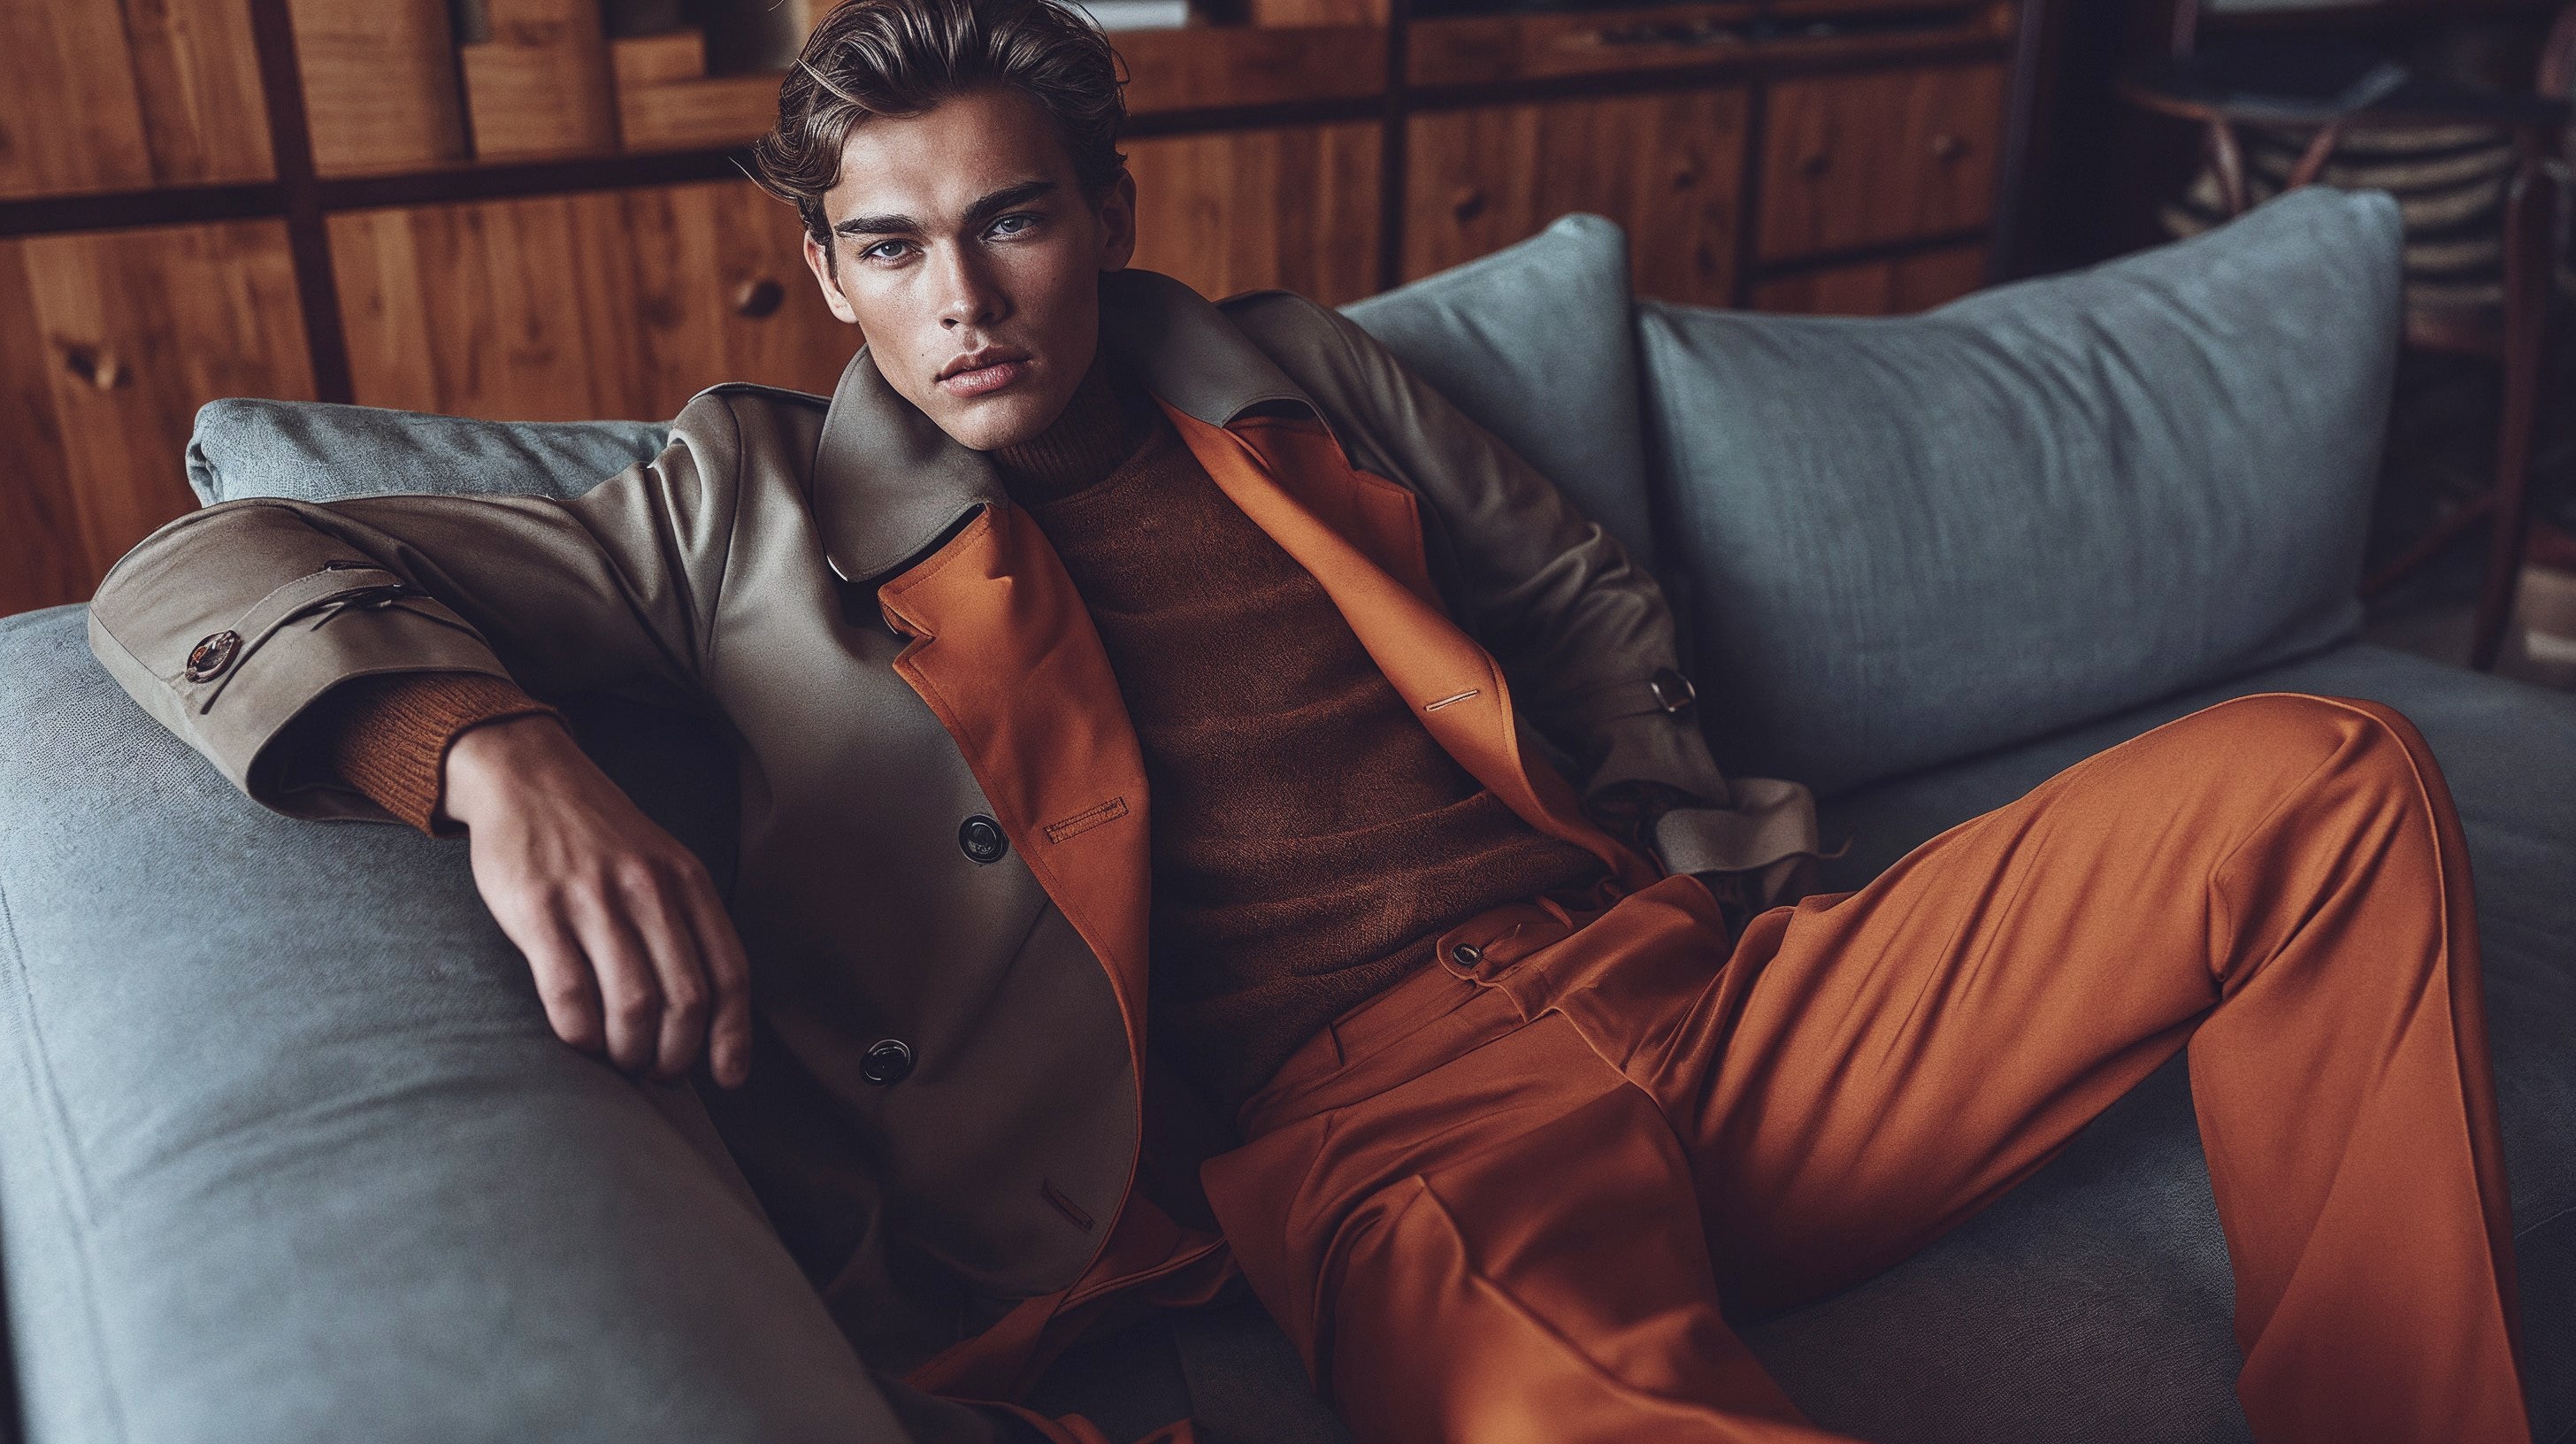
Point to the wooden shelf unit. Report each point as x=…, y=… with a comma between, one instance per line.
x=1753, y=161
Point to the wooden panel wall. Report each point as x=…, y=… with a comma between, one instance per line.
x=1858, y=160
x=1669, y=168
x=112, y=94
x=1295, y=206
x=112, y=340
x=570, y=307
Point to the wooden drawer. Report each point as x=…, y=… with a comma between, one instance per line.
x=1293, y=206
x=1863, y=160
x=569, y=307
x=1668, y=168
x=109, y=342
x=1898, y=286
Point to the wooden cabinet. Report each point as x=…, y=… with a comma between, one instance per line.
x=1850, y=161
x=157, y=250
x=109, y=342
x=1895, y=286
x=100, y=95
x=1293, y=206
x=568, y=307
x=1668, y=168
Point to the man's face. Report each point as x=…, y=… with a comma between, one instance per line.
x=968, y=256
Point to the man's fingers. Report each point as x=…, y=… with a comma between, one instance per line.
x=563, y=978
x=654, y=898
x=630, y=994
x=729, y=976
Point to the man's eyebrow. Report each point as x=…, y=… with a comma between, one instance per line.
x=986, y=207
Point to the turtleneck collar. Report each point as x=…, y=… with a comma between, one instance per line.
x=1100, y=427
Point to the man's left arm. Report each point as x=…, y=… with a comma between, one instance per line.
x=1583, y=633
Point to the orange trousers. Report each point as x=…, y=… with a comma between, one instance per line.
x=1499, y=1202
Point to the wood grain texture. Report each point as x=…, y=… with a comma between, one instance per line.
x=1294, y=206
x=1897, y=286
x=122, y=94
x=381, y=89
x=1266, y=14
x=1215, y=66
x=43, y=560
x=541, y=85
x=123, y=335
x=600, y=304
x=1668, y=168
x=1861, y=160
x=667, y=101
x=1488, y=49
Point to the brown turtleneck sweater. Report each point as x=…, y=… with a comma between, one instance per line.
x=1310, y=839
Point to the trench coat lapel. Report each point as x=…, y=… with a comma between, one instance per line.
x=1005, y=654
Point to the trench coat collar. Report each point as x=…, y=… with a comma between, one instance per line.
x=888, y=483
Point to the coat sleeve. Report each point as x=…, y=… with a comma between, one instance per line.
x=230, y=623
x=1579, y=628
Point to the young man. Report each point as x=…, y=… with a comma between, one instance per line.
x=1093, y=624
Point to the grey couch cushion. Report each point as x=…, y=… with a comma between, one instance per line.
x=288, y=1152
x=2092, y=1302
x=1913, y=539
x=318, y=451
x=1534, y=343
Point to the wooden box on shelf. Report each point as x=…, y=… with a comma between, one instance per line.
x=540, y=86
x=380, y=83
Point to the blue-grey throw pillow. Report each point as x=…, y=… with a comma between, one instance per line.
x=1535, y=344
x=1912, y=539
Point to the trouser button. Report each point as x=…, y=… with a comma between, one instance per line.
x=888, y=1060
x=1466, y=953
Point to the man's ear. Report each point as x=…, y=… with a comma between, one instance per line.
x=1118, y=222
x=819, y=261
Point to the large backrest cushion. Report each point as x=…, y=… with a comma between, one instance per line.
x=1912, y=539
x=1535, y=344
x=288, y=1152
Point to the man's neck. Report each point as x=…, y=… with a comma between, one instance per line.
x=1101, y=426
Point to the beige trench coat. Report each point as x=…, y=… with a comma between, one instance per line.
x=896, y=651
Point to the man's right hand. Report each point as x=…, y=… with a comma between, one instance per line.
x=631, y=948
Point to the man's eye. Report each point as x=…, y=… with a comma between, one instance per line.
x=1012, y=225
x=879, y=251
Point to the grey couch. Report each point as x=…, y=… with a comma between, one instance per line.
x=286, y=1152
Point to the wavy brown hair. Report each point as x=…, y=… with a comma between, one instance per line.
x=901, y=57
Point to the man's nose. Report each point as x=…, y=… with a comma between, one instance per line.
x=969, y=297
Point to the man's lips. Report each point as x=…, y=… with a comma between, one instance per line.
x=981, y=373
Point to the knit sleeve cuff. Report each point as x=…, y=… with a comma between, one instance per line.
x=387, y=735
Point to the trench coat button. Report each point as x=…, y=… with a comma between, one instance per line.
x=1467, y=953
x=980, y=838
x=888, y=1061
x=209, y=657
x=1673, y=692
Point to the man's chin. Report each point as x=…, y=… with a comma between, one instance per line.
x=993, y=424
